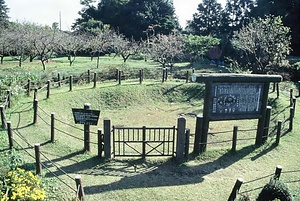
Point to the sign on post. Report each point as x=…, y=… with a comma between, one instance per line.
x=86, y=117
x=231, y=96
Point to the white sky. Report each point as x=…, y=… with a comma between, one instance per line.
x=45, y=12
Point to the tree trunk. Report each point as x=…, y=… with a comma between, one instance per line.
x=2, y=57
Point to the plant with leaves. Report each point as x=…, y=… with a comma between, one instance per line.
x=207, y=21
x=3, y=15
x=198, y=46
x=262, y=45
x=288, y=10
x=236, y=14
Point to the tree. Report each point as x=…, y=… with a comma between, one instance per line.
x=207, y=21
x=130, y=17
x=69, y=44
x=141, y=14
x=124, y=47
x=3, y=14
x=288, y=10
x=236, y=14
x=263, y=45
x=197, y=46
x=165, y=48
x=5, y=43
x=100, y=43
x=43, y=43
x=89, y=19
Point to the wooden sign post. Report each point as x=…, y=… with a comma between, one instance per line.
x=232, y=97
x=86, y=117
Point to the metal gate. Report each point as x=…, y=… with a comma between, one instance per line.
x=143, y=141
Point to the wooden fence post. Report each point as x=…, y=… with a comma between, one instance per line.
x=235, y=189
x=10, y=135
x=144, y=142
x=141, y=76
x=89, y=76
x=291, y=118
x=163, y=75
x=79, y=187
x=277, y=89
x=38, y=166
x=120, y=77
x=58, y=79
x=181, y=126
x=187, y=76
x=28, y=87
x=107, y=138
x=298, y=88
x=100, y=143
x=87, y=138
x=35, y=110
x=117, y=75
x=52, y=127
x=187, y=142
x=70, y=83
x=278, y=134
x=95, y=79
x=48, y=88
x=198, y=130
x=35, y=94
x=8, y=98
x=278, y=172
x=3, y=119
x=234, y=138
x=267, y=124
x=291, y=97
x=166, y=76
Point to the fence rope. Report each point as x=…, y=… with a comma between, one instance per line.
x=30, y=146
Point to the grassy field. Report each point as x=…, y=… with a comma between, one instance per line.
x=209, y=176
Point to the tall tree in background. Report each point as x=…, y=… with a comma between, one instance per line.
x=290, y=13
x=207, y=21
x=236, y=14
x=263, y=45
x=141, y=14
x=89, y=20
x=3, y=14
x=130, y=17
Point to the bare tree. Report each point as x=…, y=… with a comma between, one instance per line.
x=165, y=48
x=43, y=43
x=69, y=44
x=124, y=47
x=101, y=43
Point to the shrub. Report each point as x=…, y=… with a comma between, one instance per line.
x=274, y=190
x=21, y=185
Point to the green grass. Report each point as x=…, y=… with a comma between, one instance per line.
x=209, y=176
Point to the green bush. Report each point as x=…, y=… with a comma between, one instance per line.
x=274, y=190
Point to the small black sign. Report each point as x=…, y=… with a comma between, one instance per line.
x=86, y=117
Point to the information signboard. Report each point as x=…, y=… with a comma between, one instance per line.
x=86, y=117
x=233, y=100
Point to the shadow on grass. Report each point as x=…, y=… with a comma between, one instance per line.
x=139, y=173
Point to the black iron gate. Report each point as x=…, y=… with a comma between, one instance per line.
x=144, y=141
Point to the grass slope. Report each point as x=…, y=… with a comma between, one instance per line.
x=206, y=177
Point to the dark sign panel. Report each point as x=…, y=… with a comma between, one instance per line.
x=233, y=100
x=86, y=117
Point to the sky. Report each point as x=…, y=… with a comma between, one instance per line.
x=45, y=12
